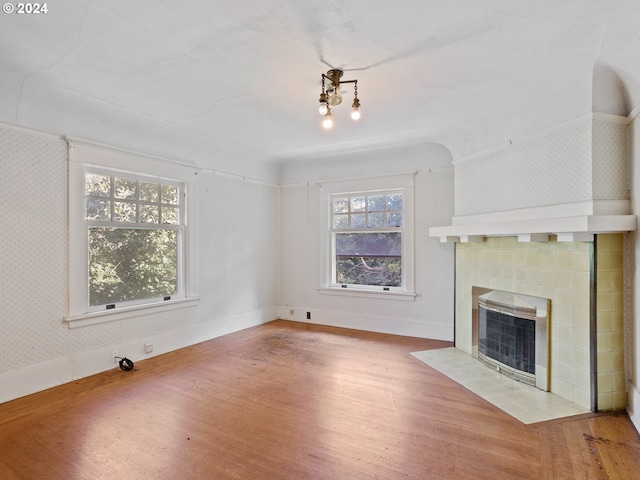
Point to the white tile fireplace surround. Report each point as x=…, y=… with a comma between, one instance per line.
x=586, y=327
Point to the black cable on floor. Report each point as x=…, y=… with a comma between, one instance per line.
x=125, y=364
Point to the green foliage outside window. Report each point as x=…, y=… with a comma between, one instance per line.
x=134, y=229
x=131, y=264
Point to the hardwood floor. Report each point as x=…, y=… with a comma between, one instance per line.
x=289, y=400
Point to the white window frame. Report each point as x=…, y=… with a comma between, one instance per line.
x=84, y=157
x=403, y=183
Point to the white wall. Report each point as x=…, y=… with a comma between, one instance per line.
x=577, y=168
x=237, y=236
x=632, y=270
x=301, y=254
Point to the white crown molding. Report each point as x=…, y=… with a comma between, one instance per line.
x=113, y=150
x=612, y=118
x=360, y=146
x=30, y=131
x=633, y=114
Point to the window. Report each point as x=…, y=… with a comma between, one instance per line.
x=131, y=235
x=134, y=227
x=369, y=237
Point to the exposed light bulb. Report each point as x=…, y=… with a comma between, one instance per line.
x=355, y=113
x=327, y=122
x=323, y=108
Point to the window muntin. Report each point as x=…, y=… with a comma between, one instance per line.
x=135, y=228
x=366, y=231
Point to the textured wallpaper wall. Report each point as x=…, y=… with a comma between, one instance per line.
x=236, y=245
x=582, y=160
x=430, y=315
x=33, y=250
x=610, y=160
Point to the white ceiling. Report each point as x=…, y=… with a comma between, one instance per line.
x=234, y=86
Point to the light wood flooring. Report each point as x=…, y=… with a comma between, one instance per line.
x=289, y=400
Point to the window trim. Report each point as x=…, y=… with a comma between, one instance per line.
x=179, y=227
x=85, y=156
x=399, y=182
x=367, y=293
x=104, y=316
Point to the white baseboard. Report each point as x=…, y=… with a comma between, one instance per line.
x=633, y=408
x=52, y=373
x=41, y=376
x=410, y=327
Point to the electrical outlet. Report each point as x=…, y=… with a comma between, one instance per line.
x=308, y=315
x=291, y=312
x=114, y=354
x=148, y=347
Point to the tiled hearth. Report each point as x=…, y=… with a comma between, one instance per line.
x=524, y=402
x=564, y=273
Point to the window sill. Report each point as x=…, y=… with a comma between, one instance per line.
x=365, y=293
x=104, y=316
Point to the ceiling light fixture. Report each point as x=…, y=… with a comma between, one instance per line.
x=331, y=97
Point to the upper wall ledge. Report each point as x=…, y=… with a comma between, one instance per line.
x=578, y=228
x=571, y=181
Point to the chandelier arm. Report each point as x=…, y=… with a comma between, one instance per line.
x=340, y=82
x=337, y=82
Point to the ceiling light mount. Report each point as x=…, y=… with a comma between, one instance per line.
x=331, y=95
x=334, y=75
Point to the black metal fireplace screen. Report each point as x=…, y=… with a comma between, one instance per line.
x=510, y=334
x=508, y=339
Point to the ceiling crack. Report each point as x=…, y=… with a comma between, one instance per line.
x=51, y=65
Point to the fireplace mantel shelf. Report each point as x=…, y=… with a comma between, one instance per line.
x=580, y=228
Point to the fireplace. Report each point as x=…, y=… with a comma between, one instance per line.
x=586, y=303
x=511, y=334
